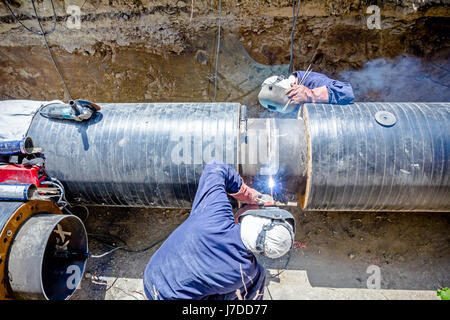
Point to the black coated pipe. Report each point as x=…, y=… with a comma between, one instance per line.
x=378, y=157
x=364, y=156
x=149, y=154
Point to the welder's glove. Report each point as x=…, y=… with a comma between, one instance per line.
x=247, y=195
x=265, y=199
x=251, y=196
x=301, y=94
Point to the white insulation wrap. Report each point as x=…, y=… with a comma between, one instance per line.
x=16, y=117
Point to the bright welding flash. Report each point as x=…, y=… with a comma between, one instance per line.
x=271, y=182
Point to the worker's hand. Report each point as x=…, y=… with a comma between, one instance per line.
x=247, y=195
x=264, y=199
x=301, y=94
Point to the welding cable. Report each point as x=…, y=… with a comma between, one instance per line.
x=60, y=202
x=44, y=35
x=49, y=50
x=126, y=250
x=285, y=266
x=104, y=254
x=124, y=247
x=78, y=205
x=145, y=248
x=103, y=237
x=294, y=22
x=218, y=49
x=85, y=208
x=29, y=29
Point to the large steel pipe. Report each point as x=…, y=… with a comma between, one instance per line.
x=378, y=157
x=138, y=154
x=364, y=156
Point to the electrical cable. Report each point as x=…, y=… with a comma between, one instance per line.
x=29, y=29
x=79, y=205
x=218, y=49
x=44, y=35
x=294, y=22
x=124, y=247
x=62, y=201
x=50, y=51
x=105, y=254
x=112, y=285
x=285, y=266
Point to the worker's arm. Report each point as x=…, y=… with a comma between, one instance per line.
x=319, y=88
x=218, y=180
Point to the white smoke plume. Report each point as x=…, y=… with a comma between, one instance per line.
x=403, y=79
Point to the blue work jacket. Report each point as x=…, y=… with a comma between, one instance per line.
x=339, y=92
x=205, y=258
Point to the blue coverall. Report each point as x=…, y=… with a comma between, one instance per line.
x=205, y=258
x=339, y=92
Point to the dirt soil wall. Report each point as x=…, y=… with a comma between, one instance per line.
x=142, y=50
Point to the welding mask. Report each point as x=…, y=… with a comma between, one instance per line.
x=277, y=217
x=272, y=94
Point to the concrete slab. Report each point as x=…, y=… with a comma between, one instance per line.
x=294, y=285
x=289, y=285
x=124, y=289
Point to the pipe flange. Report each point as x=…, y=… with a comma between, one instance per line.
x=385, y=118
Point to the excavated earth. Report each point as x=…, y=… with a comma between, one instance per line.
x=155, y=51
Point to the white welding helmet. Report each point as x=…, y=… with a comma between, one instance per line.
x=268, y=231
x=272, y=95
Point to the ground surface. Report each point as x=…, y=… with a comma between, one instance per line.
x=411, y=249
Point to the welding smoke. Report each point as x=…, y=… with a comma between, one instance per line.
x=402, y=79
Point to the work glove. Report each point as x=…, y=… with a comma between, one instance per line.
x=264, y=199
x=251, y=196
x=301, y=94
